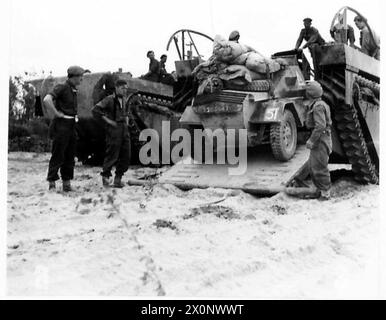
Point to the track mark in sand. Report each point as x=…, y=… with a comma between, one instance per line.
x=149, y=187
x=281, y=211
x=150, y=273
x=40, y=241
x=160, y=223
x=340, y=249
x=223, y=212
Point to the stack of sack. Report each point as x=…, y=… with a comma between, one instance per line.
x=234, y=62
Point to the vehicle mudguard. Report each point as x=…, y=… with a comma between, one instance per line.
x=272, y=111
x=189, y=117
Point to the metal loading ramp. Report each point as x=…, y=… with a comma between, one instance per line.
x=264, y=175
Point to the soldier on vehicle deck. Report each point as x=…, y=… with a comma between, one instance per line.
x=310, y=34
x=342, y=35
x=154, y=68
x=112, y=110
x=165, y=77
x=234, y=36
x=370, y=43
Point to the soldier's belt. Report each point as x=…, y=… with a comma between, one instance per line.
x=70, y=117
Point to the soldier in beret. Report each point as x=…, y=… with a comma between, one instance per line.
x=62, y=103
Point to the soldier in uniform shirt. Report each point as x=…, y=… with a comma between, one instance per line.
x=370, y=45
x=318, y=119
x=113, y=112
x=310, y=34
x=341, y=35
x=62, y=103
x=154, y=68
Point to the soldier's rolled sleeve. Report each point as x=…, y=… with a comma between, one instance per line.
x=320, y=123
x=57, y=91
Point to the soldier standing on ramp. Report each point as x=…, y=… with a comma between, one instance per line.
x=320, y=143
x=112, y=110
x=62, y=103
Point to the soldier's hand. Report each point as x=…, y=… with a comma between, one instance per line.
x=60, y=114
x=112, y=123
x=309, y=145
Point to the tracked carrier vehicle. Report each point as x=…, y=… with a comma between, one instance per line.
x=272, y=111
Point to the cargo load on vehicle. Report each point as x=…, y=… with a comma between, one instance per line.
x=233, y=63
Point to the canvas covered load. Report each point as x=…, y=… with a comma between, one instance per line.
x=234, y=53
x=233, y=62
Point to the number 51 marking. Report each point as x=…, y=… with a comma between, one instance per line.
x=271, y=114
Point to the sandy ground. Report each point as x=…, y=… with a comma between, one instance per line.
x=158, y=240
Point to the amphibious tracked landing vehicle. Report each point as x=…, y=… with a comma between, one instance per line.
x=272, y=112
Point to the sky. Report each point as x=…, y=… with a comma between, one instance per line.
x=107, y=35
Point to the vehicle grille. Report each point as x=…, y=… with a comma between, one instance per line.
x=223, y=96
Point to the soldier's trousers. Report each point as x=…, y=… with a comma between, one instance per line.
x=63, y=133
x=317, y=167
x=118, y=150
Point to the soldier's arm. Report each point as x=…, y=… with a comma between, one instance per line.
x=320, y=123
x=332, y=34
x=351, y=35
x=99, y=111
x=50, y=105
x=300, y=40
x=312, y=39
x=49, y=101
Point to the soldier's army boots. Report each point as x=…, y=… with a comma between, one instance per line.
x=105, y=181
x=325, y=195
x=51, y=185
x=67, y=186
x=118, y=182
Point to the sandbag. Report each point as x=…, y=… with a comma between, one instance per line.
x=208, y=67
x=241, y=73
x=227, y=51
x=241, y=59
x=255, y=62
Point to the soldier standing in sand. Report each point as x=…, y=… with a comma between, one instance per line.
x=62, y=103
x=320, y=143
x=113, y=111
